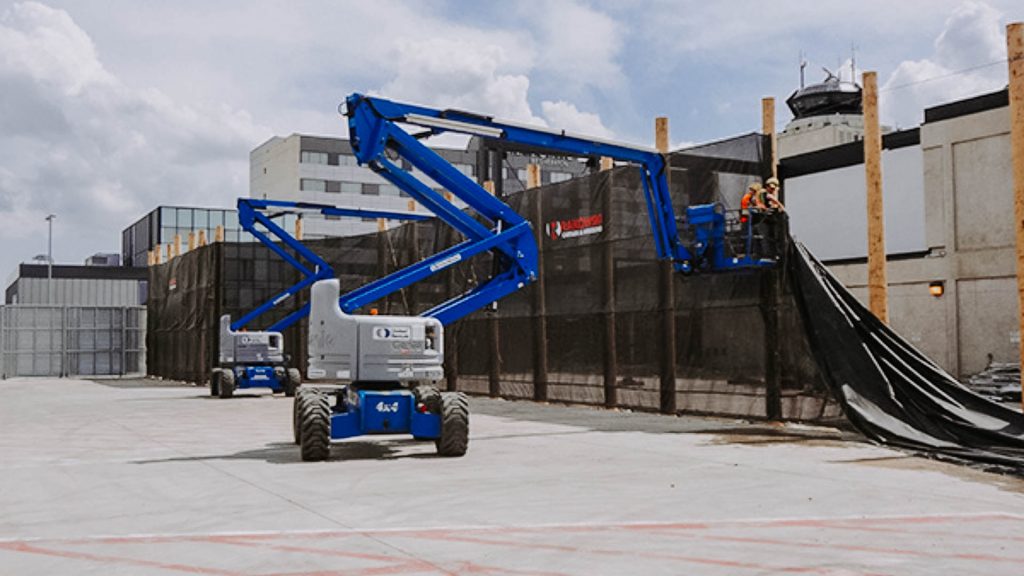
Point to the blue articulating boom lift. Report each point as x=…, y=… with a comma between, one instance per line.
x=381, y=371
x=256, y=359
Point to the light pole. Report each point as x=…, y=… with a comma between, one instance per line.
x=49, y=260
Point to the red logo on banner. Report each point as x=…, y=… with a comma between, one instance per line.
x=576, y=227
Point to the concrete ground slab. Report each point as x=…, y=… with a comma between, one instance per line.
x=127, y=478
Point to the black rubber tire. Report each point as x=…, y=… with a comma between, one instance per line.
x=315, y=427
x=454, y=440
x=429, y=395
x=227, y=384
x=292, y=382
x=300, y=398
x=215, y=382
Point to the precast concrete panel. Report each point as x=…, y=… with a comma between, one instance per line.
x=983, y=196
x=987, y=322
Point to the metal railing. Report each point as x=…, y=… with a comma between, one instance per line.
x=60, y=341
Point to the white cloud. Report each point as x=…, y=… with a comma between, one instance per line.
x=459, y=74
x=972, y=38
x=566, y=116
x=581, y=45
x=99, y=153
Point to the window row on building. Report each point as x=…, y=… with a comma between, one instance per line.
x=356, y=188
x=341, y=159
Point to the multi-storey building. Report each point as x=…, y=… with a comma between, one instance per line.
x=324, y=170
x=159, y=228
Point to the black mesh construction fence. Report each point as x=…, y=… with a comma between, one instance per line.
x=607, y=323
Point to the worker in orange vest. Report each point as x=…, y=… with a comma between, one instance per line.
x=753, y=196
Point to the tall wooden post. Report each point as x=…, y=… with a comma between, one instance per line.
x=611, y=365
x=877, y=282
x=771, y=283
x=1015, y=57
x=768, y=129
x=298, y=228
x=177, y=245
x=493, y=331
x=218, y=233
x=202, y=237
x=540, y=305
x=191, y=240
x=667, y=388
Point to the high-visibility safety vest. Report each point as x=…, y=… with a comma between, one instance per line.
x=745, y=206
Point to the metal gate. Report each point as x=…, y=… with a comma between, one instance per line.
x=72, y=340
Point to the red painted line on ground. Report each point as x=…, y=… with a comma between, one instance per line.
x=646, y=555
x=393, y=565
x=473, y=568
x=820, y=522
x=855, y=548
x=27, y=548
x=939, y=533
x=702, y=525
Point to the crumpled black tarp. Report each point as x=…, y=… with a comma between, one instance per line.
x=891, y=392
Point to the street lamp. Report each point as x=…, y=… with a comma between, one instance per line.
x=49, y=259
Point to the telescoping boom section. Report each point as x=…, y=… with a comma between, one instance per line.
x=378, y=139
x=257, y=218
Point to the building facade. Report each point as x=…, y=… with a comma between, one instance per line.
x=952, y=279
x=324, y=170
x=161, y=226
x=77, y=285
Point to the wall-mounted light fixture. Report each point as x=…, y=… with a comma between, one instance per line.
x=937, y=288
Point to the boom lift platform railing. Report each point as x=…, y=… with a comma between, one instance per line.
x=387, y=367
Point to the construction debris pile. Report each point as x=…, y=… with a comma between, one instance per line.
x=998, y=381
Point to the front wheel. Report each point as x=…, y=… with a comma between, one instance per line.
x=215, y=382
x=292, y=382
x=454, y=440
x=297, y=410
x=227, y=384
x=315, y=426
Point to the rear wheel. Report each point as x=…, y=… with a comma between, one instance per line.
x=297, y=409
x=315, y=426
x=454, y=440
x=227, y=384
x=292, y=382
x=215, y=382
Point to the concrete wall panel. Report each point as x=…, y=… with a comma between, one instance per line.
x=987, y=322
x=920, y=318
x=983, y=199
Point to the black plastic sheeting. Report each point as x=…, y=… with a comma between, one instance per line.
x=891, y=392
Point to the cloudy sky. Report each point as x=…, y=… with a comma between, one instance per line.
x=109, y=108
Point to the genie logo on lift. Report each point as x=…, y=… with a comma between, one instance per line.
x=575, y=227
x=392, y=333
